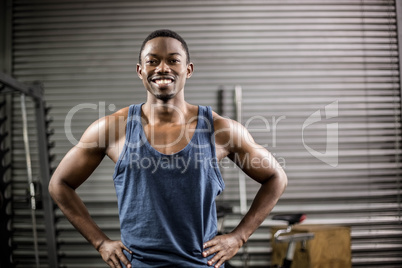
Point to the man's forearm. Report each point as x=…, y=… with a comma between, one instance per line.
x=76, y=212
x=226, y=246
x=263, y=203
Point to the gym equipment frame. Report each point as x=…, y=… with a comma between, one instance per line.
x=35, y=91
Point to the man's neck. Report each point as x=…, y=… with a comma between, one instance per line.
x=171, y=111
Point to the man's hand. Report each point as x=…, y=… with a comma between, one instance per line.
x=112, y=253
x=223, y=246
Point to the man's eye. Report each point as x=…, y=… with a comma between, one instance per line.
x=174, y=61
x=151, y=61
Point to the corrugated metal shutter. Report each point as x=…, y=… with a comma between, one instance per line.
x=292, y=59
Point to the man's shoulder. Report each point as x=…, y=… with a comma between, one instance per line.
x=122, y=113
x=222, y=123
x=228, y=131
x=113, y=120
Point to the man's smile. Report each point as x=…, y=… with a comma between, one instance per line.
x=162, y=81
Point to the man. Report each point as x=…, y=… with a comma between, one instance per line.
x=166, y=176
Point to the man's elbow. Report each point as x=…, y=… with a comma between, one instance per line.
x=52, y=187
x=282, y=179
x=55, y=186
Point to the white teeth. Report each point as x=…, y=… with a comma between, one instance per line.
x=163, y=81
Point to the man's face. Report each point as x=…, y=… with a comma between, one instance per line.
x=163, y=67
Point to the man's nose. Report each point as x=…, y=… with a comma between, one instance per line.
x=163, y=67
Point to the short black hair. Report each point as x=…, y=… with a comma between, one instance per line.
x=165, y=33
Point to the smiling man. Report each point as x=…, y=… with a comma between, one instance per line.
x=166, y=153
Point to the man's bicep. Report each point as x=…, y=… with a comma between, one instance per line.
x=258, y=164
x=255, y=160
x=77, y=165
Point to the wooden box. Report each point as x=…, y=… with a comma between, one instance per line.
x=330, y=247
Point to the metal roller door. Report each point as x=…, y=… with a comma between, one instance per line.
x=321, y=91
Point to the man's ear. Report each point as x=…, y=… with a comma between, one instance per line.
x=190, y=69
x=139, y=71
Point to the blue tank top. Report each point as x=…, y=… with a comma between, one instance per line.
x=167, y=202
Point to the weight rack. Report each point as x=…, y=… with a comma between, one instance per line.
x=35, y=91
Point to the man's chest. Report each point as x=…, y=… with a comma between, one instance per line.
x=170, y=138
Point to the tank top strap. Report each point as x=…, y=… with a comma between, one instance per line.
x=205, y=120
x=133, y=127
x=213, y=147
x=206, y=134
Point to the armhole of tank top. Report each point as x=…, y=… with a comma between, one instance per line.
x=130, y=115
x=212, y=139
